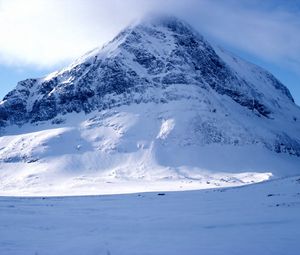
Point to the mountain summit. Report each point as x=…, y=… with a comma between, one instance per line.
x=158, y=102
x=155, y=53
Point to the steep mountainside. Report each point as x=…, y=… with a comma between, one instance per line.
x=158, y=102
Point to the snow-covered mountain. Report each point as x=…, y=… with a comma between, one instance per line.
x=157, y=106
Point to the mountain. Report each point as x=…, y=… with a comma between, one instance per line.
x=157, y=106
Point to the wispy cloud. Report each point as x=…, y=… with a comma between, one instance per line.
x=271, y=32
x=48, y=32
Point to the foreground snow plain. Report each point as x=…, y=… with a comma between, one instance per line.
x=261, y=218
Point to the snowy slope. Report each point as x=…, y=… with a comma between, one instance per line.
x=157, y=108
x=256, y=219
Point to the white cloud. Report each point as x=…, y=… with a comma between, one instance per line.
x=45, y=32
x=272, y=34
x=48, y=32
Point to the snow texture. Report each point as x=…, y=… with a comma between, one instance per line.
x=256, y=219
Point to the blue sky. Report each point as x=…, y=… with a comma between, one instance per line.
x=41, y=36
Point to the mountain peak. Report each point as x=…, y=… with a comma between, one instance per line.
x=164, y=20
x=159, y=59
x=150, y=25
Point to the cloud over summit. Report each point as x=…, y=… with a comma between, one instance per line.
x=46, y=33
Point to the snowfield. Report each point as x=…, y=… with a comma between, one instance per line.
x=136, y=148
x=255, y=219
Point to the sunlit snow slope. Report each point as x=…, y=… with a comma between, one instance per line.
x=157, y=108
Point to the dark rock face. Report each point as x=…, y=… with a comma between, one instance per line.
x=278, y=85
x=44, y=109
x=285, y=144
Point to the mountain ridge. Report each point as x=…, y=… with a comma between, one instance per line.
x=126, y=77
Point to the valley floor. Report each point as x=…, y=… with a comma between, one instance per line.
x=261, y=218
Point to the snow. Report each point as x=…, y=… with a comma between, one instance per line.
x=139, y=148
x=166, y=128
x=135, y=148
x=256, y=219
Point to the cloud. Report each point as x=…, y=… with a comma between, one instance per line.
x=49, y=32
x=270, y=33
